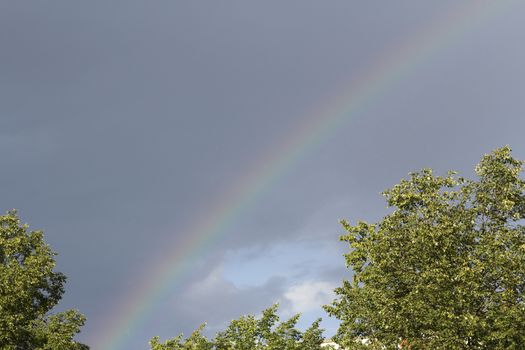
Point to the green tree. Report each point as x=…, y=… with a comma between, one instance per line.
x=444, y=270
x=29, y=289
x=196, y=341
x=250, y=333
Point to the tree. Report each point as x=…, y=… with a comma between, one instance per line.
x=196, y=341
x=250, y=333
x=29, y=289
x=445, y=269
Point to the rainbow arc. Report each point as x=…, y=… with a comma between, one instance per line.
x=355, y=97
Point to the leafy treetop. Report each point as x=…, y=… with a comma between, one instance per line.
x=29, y=289
x=444, y=270
x=250, y=333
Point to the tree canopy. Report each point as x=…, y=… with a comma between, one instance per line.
x=445, y=269
x=29, y=289
x=250, y=333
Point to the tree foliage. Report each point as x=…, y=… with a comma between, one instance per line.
x=444, y=270
x=29, y=289
x=250, y=333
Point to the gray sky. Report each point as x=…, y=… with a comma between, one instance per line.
x=122, y=121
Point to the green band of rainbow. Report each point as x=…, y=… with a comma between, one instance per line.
x=358, y=94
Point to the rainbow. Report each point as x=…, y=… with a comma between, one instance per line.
x=116, y=331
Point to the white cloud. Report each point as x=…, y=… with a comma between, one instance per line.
x=295, y=260
x=209, y=286
x=309, y=295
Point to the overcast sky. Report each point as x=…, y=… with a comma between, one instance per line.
x=122, y=123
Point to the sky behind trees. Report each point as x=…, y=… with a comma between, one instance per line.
x=124, y=124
